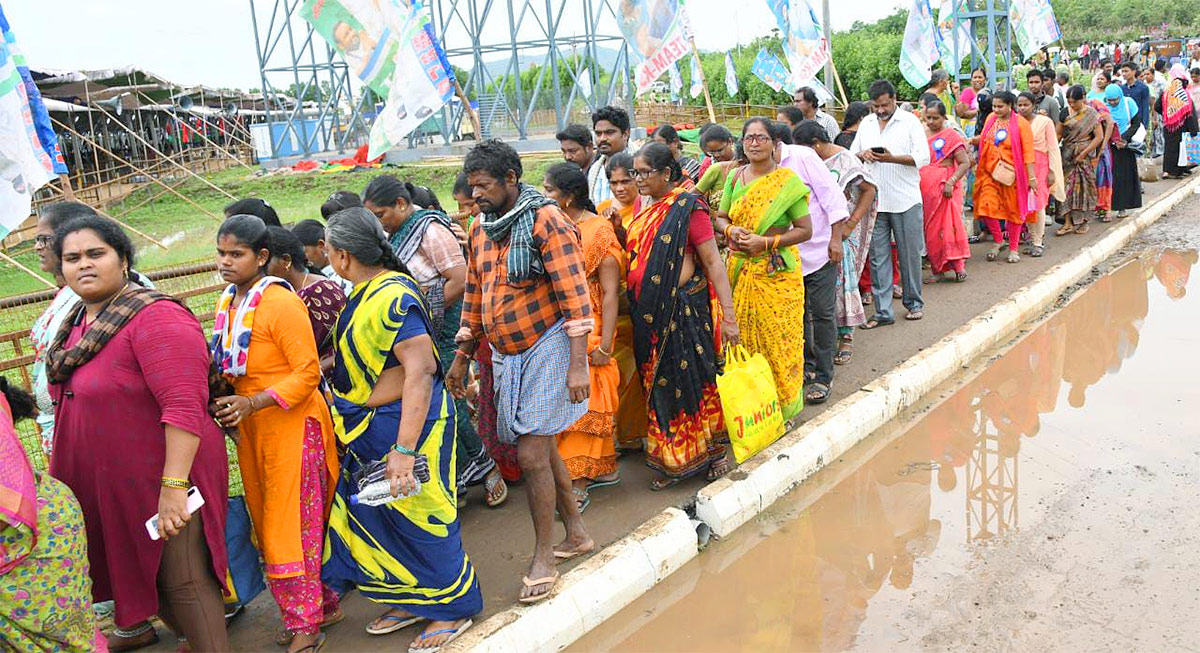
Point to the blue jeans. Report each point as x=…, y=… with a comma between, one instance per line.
x=908, y=230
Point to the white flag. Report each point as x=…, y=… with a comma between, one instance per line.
x=731, y=84
x=676, y=80
x=920, y=48
x=584, y=82
x=697, y=86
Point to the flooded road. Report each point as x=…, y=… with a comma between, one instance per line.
x=1049, y=501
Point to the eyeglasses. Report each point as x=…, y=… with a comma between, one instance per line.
x=44, y=240
x=641, y=174
x=756, y=138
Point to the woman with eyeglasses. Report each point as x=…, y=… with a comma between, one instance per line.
x=674, y=274
x=718, y=144
x=764, y=216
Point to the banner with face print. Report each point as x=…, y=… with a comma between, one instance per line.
x=391, y=47
x=658, y=33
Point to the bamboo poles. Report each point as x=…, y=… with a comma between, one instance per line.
x=12, y=261
x=148, y=175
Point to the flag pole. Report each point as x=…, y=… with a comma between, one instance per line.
x=712, y=115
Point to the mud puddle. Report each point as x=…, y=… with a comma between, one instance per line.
x=1047, y=502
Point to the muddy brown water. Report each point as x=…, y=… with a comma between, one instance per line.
x=1044, y=500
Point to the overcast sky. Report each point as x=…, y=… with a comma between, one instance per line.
x=212, y=42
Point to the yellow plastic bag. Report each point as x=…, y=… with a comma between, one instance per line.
x=750, y=403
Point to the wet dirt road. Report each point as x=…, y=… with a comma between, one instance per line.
x=1045, y=501
x=499, y=541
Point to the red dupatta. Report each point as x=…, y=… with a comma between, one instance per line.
x=18, y=492
x=1012, y=133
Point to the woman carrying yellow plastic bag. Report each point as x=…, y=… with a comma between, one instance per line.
x=749, y=402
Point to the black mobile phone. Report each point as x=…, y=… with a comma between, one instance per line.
x=879, y=150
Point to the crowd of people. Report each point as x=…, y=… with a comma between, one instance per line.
x=531, y=335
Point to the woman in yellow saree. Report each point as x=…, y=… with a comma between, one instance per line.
x=764, y=215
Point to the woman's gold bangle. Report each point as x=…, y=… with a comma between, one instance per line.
x=175, y=483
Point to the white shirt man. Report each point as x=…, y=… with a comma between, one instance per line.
x=893, y=145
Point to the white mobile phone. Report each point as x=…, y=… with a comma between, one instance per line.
x=194, y=501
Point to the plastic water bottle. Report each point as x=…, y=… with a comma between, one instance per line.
x=374, y=488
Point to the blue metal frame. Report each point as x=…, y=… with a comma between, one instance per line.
x=461, y=22
x=290, y=52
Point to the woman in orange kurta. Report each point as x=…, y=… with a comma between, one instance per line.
x=1005, y=175
x=587, y=447
x=620, y=211
x=263, y=344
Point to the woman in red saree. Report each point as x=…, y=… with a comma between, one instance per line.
x=942, y=196
x=675, y=277
x=1005, y=175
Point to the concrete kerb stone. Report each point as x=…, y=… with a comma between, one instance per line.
x=614, y=577
x=591, y=592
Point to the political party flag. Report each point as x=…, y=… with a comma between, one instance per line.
x=676, y=79
x=919, y=50
x=804, y=43
x=658, y=33
x=731, y=83
x=391, y=47
x=824, y=96
x=29, y=156
x=1034, y=25
x=584, y=81
x=772, y=72
x=954, y=31
x=697, y=85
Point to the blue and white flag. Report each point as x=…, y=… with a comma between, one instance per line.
x=676, y=80
x=772, y=72
x=29, y=156
x=697, y=78
x=804, y=42
x=731, y=83
x=919, y=50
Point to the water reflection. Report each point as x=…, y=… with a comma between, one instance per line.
x=805, y=582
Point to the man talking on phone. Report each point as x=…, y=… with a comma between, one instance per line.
x=893, y=145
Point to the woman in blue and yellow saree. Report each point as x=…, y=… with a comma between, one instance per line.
x=390, y=405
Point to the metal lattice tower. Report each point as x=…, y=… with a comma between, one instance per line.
x=991, y=485
x=291, y=53
x=991, y=42
x=498, y=39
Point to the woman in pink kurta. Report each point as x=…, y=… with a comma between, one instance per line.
x=942, y=196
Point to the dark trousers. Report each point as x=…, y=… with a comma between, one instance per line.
x=189, y=596
x=820, y=324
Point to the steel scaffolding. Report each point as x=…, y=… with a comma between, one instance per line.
x=568, y=39
x=292, y=56
x=991, y=42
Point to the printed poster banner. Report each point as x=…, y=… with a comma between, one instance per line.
x=919, y=51
x=1034, y=24
x=772, y=72
x=658, y=33
x=954, y=31
x=697, y=86
x=804, y=42
x=29, y=156
x=390, y=46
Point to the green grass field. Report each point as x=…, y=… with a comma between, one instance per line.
x=188, y=233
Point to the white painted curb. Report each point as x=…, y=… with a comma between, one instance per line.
x=623, y=571
x=591, y=592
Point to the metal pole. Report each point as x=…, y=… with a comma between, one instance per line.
x=287, y=22
x=262, y=73
x=552, y=29
x=828, y=32
x=515, y=68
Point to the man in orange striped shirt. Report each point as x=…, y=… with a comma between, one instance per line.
x=527, y=291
